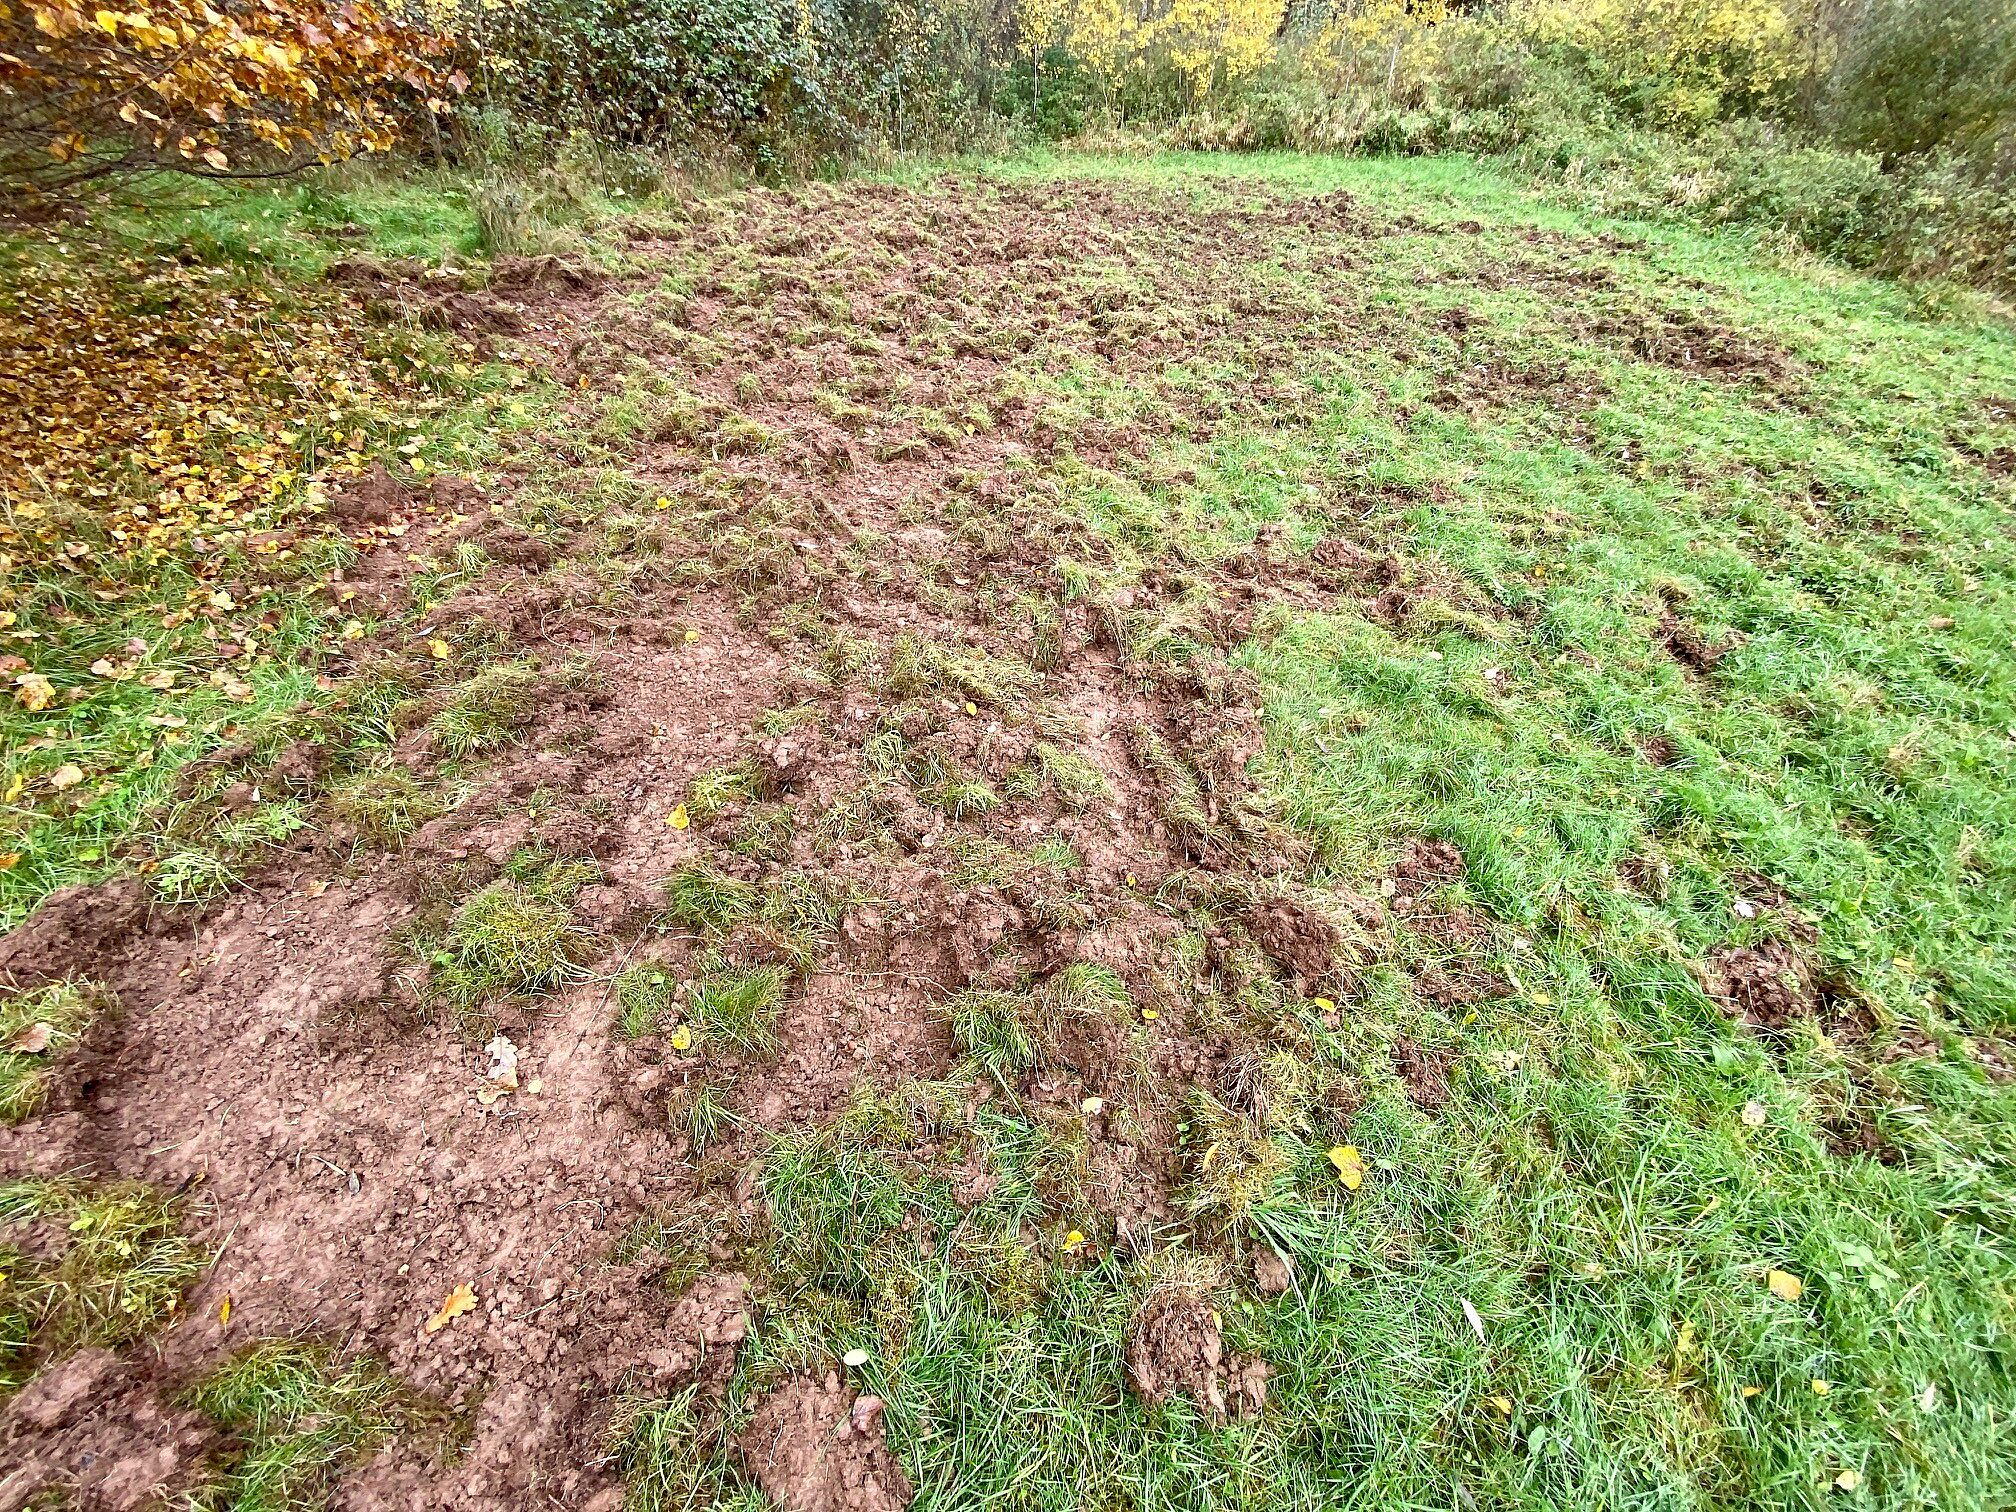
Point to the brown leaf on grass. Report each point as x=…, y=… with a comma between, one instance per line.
x=32, y=1040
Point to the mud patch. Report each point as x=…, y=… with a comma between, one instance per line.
x=1427, y=864
x=1424, y=1073
x=1852, y=1133
x=95, y=1432
x=1300, y=938
x=1685, y=643
x=84, y=930
x=1687, y=341
x=817, y=1447
x=702, y=1333
x=1774, y=984
x=1175, y=1348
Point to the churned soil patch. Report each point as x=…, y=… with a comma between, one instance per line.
x=822, y=663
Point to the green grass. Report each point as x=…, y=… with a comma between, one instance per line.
x=86, y=1264
x=1550, y=1289
x=738, y=1006
x=515, y=936
x=298, y=1416
x=490, y=711
x=1593, y=1190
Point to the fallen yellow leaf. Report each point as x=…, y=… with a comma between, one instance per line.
x=678, y=818
x=1503, y=1404
x=1073, y=1241
x=1784, y=1285
x=1350, y=1166
x=439, y=648
x=1324, y=1004
x=1820, y=1387
x=459, y=1301
x=1751, y=1391
x=1848, y=1480
x=682, y=1038
x=33, y=691
x=224, y=1312
x=692, y=636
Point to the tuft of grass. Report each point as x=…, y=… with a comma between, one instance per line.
x=97, y=1264
x=701, y=1110
x=712, y=790
x=802, y=914
x=775, y=722
x=516, y=935
x=490, y=711
x=702, y=898
x=1086, y=987
x=299, y=1416
x=1077, y=783
x=992, y=1027
x=765, y=832
x=919, y=666
x=1179, y=798
x=386, y=804
x=1238, y=1164
x=192, y=876
x=1007, y=1032
x=961, y=796
x=738, y=1005
x=672, y=1458
x=644, y=993
x=51, y=1019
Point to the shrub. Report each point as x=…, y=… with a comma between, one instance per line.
x=766, y=75
x=1921, y=76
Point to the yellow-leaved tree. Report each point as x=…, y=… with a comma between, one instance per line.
x=1206, y=43
x=240, y=87
x=1682, y=60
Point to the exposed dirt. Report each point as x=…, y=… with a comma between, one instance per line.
x=1768, y=985
x=1175, y=1346
x=1695, y=343
x=1424, y=1072
x=1299, y=938
x=95, y=1433
x=1776, y=983
x=817, y=1447
x=1689, y=646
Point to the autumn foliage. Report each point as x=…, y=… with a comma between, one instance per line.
x=241, y=88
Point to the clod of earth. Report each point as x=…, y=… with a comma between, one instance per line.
x=817, y=1446
x=1175, y=1346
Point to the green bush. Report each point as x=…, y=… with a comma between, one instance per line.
x=775, y=78
x=1923, y=76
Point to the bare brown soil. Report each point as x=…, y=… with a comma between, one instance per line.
x=861, y=526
